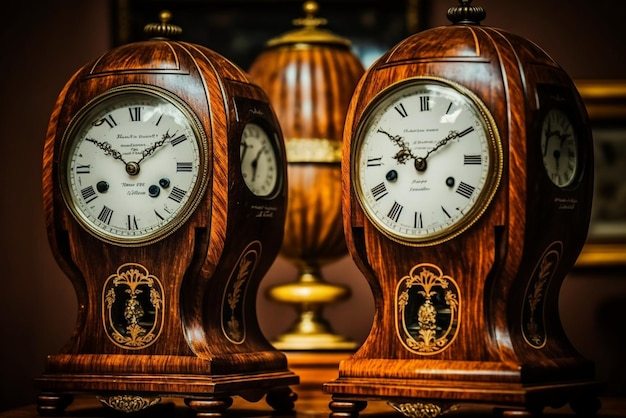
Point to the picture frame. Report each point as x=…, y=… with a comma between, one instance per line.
x=605, y=101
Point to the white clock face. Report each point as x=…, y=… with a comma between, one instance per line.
x=259, y=162
x=426, y=161
x=559, y=148
x=132, y=166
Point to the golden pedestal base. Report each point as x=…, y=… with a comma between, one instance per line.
x=311, y=331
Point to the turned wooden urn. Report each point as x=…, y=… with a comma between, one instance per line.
x=309, y=75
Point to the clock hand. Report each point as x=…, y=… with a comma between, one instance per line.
x=549, y=134
x=444, y=141
x=557, y=157
x=421, y=163
x=405, y=152
x=108, y=149
x=557, y=152
x=243, y=152
x=158, y=144
x=255, y=162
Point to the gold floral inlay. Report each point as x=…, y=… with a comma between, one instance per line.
x=427, y=309
x=423, y=409
x=533, y=321
x=233, y=318
x=133, y=307
x=128, y=403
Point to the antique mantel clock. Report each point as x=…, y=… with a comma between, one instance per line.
x=164, y=193
x=467, y=184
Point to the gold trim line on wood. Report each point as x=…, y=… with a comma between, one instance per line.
x=313, y=150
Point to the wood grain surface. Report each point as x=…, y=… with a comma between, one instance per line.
x=192, y=354
x=495, y=260
x=310, y=86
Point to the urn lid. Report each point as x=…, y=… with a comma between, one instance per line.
x=309, y=30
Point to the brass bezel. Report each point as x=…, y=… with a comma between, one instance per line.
x=197, y=192
x=494, y=171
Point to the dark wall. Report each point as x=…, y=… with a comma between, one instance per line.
x=42, y=45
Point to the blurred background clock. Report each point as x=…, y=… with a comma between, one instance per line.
x=468, y=180
x=165, y=227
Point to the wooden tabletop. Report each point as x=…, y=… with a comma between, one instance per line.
x=314, y=370
x=307, y=406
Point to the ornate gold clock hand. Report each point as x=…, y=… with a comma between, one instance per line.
x=158, y=144
x=108, y=149
x=405, y=152
x=420, y=162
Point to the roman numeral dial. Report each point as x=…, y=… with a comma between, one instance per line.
x=426, y=161
x=134, y=166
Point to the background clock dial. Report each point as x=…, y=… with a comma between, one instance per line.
x=559, y=148
x=133, y=163
x=259, y=163
x=426, y=160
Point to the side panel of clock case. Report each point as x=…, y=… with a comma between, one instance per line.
x=222, y=320
x=556, y=224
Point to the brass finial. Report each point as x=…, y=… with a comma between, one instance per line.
x=164, y=29
x=310, y=21
x=309, y=30
x=466, y=14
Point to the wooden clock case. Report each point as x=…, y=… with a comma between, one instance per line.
x=209, y=268
x=510, y=349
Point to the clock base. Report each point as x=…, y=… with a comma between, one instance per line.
x=207, y=391
x=206, y=395
x=430, y=398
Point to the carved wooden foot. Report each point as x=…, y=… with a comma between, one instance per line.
x=346, y=408
x=53, y=404
x=210, y=407
x=281, y=399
